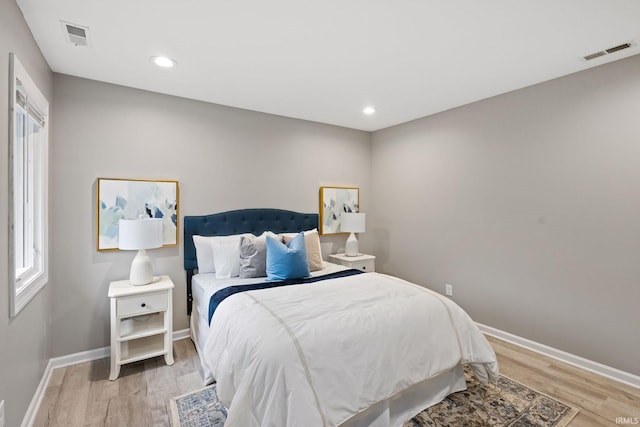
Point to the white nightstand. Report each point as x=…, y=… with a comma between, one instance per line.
x=361, y=262
x=141, y=322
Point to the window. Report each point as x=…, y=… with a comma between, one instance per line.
x=28, y=200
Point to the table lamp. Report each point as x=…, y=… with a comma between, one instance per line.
x=352, y=223
x=140, y=235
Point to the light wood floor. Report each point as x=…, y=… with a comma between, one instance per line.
x=599, y=399
x=82, y=395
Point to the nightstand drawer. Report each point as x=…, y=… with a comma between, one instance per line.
x=368, y=265
x=141, y=304
x=362, y=262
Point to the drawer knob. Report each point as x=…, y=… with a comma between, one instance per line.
x=364, y=267
x=143, y=305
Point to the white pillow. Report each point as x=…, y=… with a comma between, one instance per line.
x=204, y=250
x=226, y=257
x=204, y=253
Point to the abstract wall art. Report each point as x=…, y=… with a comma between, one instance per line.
x=135, y=198
x=334, y=201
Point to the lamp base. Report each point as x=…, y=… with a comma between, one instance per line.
x=141, y=270
x=351, y=248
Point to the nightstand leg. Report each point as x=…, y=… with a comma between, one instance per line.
x=168, y=344
x=168, y=337
x=115, y=370
x=168, y=358
x=115, y=345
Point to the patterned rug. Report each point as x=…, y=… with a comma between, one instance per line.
x=509, y=404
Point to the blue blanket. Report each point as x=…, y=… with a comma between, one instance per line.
x=224, y=293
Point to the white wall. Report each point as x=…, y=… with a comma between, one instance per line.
x=25, y=339
x=224, y=158
x=529, y=205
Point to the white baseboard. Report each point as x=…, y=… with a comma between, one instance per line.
x=68, y=360
x=32, y=410
x=181, y=334
x=568, y=358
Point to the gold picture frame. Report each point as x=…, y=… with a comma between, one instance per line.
x=334, y=201
x=119, y=198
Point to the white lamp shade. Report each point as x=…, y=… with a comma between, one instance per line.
x=134, y=234
x=353, y=222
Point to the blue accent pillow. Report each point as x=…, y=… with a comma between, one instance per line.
x=287, y=261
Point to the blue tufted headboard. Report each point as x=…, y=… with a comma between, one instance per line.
x=254, y=221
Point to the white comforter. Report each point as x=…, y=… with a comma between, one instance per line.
x=317, y=354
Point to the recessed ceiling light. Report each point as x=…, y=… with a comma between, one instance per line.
x=163, y=61
x=369, y=110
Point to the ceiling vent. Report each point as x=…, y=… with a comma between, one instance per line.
x=608, y=51
x=75, y=34
x=619, y=47
x=595, y=55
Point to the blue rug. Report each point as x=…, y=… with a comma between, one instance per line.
x=198, y=409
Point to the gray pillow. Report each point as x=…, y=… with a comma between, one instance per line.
x=253, y=255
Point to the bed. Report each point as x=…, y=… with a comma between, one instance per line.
x=341, y=347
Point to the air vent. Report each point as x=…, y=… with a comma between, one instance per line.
x=76, y=34
x=620, y=47
x=608, y=51
x=595, y=55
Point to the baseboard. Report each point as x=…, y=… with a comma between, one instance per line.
x=568, y=358
x=181, y=334
x=68, y=360
x=32, y=410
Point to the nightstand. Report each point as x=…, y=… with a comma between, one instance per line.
x=141, y=322
x=361, y=262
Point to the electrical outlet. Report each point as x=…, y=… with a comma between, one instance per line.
x=2, y=414
x=448, y=289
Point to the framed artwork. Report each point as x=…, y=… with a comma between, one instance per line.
x=134, y=198
x=334, y=201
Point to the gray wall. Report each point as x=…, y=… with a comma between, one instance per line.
x=529, y=205
x=24, y=340
x=223, y=158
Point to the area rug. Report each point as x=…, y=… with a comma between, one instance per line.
x=508, y=404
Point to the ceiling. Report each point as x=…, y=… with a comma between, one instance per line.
x=325, y=61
